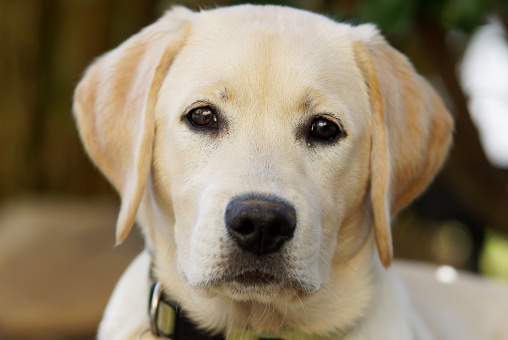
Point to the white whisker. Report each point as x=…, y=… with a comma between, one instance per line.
x=328, y=290
x=285, y=312
x=303, y=308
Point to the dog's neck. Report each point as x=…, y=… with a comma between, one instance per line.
x=168, y=320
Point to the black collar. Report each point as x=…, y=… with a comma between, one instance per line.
x=168, y=320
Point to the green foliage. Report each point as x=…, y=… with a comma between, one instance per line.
x=393, y=17
x=494, y=259
x=396, y=18
x=463, y=15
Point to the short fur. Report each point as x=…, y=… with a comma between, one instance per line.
x=268, y=71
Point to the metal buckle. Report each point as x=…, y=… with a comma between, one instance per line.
x=155, y=297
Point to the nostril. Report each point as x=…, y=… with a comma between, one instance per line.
x=260, y=225
x=241, y=224
x=247, y=227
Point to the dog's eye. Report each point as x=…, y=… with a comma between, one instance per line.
x=203, y=117
x=324, y=129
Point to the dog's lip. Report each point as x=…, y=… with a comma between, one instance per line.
x=253, y=278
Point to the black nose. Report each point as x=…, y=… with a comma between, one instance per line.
x=259, y=225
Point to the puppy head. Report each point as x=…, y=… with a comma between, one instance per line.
x=313, y=130
x=287, y=134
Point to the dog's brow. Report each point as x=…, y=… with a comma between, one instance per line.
x=307, y=102
x=224, y=94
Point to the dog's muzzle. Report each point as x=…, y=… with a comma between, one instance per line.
x=260, y=225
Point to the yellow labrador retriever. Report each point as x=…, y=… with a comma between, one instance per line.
x=263, y=151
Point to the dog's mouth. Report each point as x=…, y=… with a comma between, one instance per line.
x=243, y=278
x=255, y=284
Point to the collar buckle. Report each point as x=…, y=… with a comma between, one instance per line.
x=153, y=304
x=163, y=314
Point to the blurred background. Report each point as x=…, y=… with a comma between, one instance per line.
x=57, y=213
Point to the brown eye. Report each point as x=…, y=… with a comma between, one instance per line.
x=324, y=129
x=203, y=117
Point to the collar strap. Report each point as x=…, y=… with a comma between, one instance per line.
x=168, y=320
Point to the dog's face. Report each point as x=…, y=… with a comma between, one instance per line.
x=279, y=119
x=266, y=143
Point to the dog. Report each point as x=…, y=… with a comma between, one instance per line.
x=264, y=150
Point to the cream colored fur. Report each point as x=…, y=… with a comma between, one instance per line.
x=268, y=70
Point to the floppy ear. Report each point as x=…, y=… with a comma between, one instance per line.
x=114, y=104
x=412, y=131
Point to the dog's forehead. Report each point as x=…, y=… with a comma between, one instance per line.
x=265, y=55
x=247, y=19
x=269, y=40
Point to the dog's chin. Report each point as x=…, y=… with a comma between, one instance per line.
x=260, y=287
